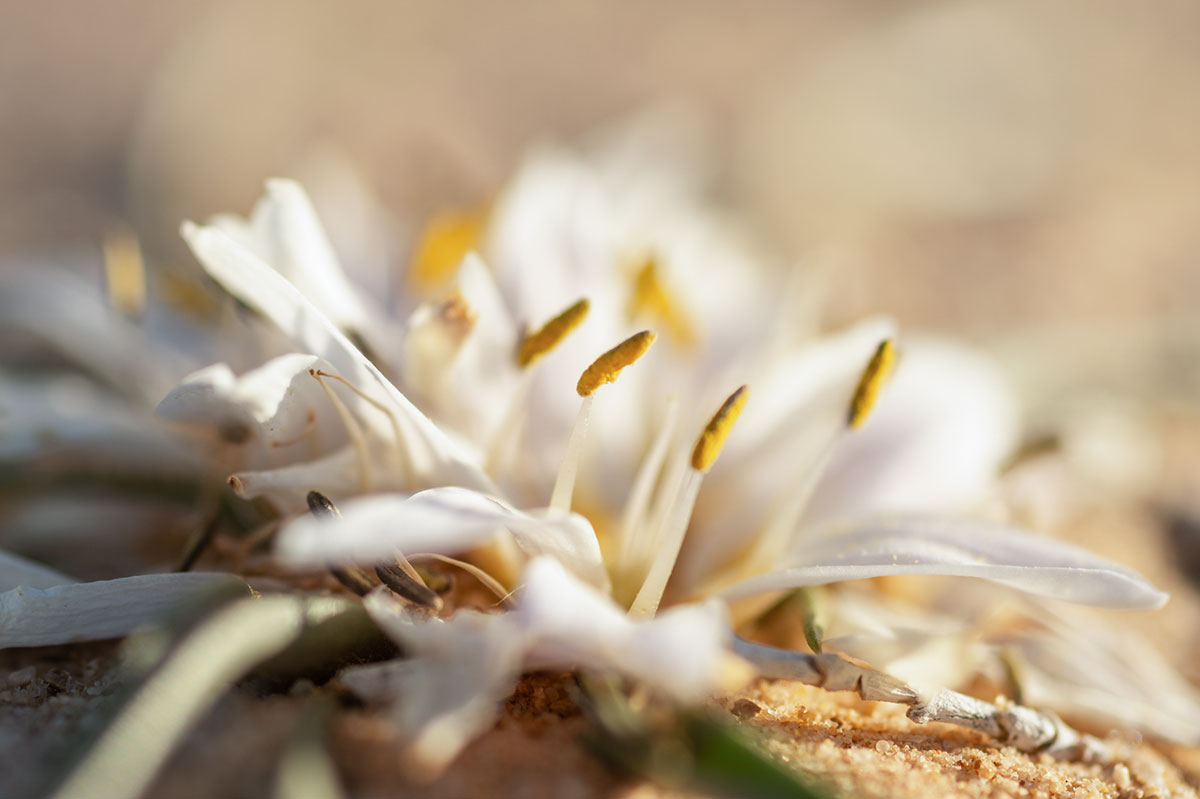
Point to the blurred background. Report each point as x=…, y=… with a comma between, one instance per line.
x=1021, y=175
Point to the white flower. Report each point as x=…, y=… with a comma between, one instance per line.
x=802, y=497
x=456, y=671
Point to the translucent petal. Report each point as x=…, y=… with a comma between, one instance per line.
x=17, y=571
x=935, y=441
x=278, y=401
x=449, y=687
x=959, y=548
x=336, y=475
x=443, y=520
x=566, y=623
x=66, y=614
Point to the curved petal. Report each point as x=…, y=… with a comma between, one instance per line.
x=567, y=623
x=935, y=441
x=435, y=458
x=337, y=474
x=66, y=614
x=444, y=520
x=16, y=571
x=449, y=687
x=960, y=548
x=279, y=401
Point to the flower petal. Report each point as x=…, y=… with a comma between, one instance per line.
x=74, y=612
x=435, y=458
x=336, y=474
x=935, y=441
x=17, y=571
x=449, y=688
x=959, y=548
x=569, y=623
x=278, y=401
x=444, y=520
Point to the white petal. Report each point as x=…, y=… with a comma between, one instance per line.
x=959, y=548
x=450, y=686
x=278, y=401
x=444, y=520
x=69, y=413
x=791, y=419
x=435, y=459
x=336, y=474
x=72, y=315
x=17, y=571
x=75, y=612
x=568, y=623
x=936, y=439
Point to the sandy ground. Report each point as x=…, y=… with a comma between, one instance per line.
x=853, y=747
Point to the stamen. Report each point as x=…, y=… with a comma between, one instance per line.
x=537, y=344
x=408, y=583
x=125, y=273
x=780, y=530
x=446, y=240
x=488, y=581
x=872, y=380
x=532, y=348
x=603, y=370
x=349, y=575
x=708, y=446
x=608, y=366
x=650, y=297
x=638, y=504
x=398, y=454
x=353, y=429
x=564, y=484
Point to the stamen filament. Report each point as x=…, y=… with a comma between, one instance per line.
x=353, y=429
x=603, y=370
x=564, y=484
x=510, y=424
x=488, y=581
x=646, y=603
x=638, y=504
x=704, y=454
x=399, y=453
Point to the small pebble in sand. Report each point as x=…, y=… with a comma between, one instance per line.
x=745, y=708
x=22, y=676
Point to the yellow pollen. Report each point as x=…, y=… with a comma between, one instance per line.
x=608, y=366
x=125, y=273
x=547, y=338
x=873, y=377
x=650, y=297
x=446, y=240
x=708, y=446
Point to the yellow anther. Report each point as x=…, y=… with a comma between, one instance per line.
x=651, y=297
x=873, y=377
x=708, y=446
x=535, y=345
x=608, y=366
x=446, y=240
x=125, y=273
